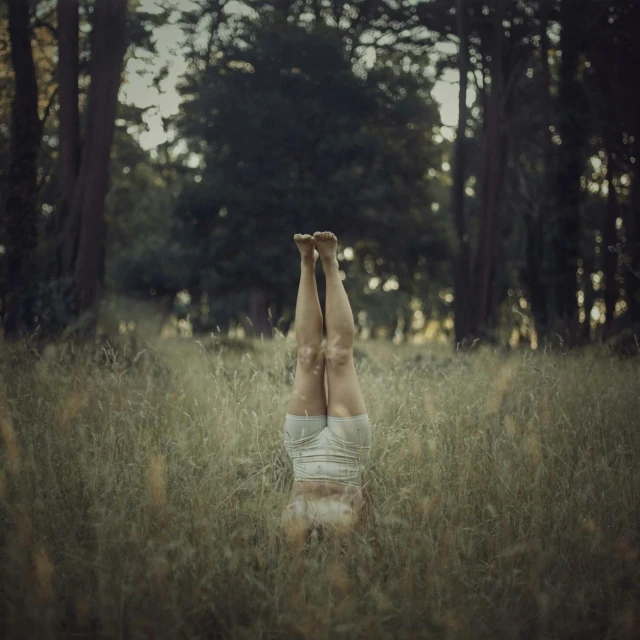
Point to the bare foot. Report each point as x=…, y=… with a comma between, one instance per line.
x=307, y=248
x=326, y=243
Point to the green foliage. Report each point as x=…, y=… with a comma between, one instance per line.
x=138, y=213
x=54, y=306
x=293, y=140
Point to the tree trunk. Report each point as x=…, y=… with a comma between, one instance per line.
x=108, y=47
x=537, y=275
x=610, y=258
x=259, y=313
x=589, y=266
x=20, y=213
x=69, y=130
x=534, y=276
x=494, y=153
x=632, y=275
x=407, y=317
x=282, y=316
x=571, y=126
x=462, y=310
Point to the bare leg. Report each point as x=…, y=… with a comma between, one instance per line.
x=345, y=395
x=309, y=395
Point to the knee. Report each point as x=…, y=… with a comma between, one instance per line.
x=339, y=356
x=310, y=357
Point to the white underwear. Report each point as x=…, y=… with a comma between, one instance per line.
x=326, y=448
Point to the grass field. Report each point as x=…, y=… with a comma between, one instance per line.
x=139, y=496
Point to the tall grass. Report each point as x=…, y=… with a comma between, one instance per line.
x=139, y=497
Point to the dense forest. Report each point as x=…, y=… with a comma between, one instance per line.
x=521, y=226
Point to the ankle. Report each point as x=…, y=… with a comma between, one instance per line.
x=330, y=263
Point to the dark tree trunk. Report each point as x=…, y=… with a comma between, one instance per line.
x=282, y=316
x=407, y=317
x=534, y=276
x=610, y=258
x=20, y=213
x=494, y=154
x=632, y=275
x=589, y=266
x=571, y=127
x=536, y=254
x=462, y=274
x=259, y=313
x=108, y=47
x=69, y=132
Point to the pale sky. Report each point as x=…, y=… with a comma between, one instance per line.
x=137, y=87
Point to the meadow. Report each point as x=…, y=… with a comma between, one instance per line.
x=141, y=485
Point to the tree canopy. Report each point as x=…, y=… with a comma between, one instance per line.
x=291, y=138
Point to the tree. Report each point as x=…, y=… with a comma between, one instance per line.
x=616, y=54
x=572, y=129
x=20, y=213
x=82, y=239
x=535, y=183
x=632, y=274
x=142, y=256
x=69, y=115
x=74, y=66
x=462, y=275
x=498, y=46
x=293, y=139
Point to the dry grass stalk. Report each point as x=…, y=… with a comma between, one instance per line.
x=71, y=406
x=44, y=572
x=157, y=476
x=9, y=437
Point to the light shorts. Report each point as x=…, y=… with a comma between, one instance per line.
x=327, y=448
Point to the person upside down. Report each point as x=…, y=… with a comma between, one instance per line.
x=326, y=435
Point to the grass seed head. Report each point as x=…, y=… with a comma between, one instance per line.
x=416, y=446
x=44, y=573
x=23, y=528
x=534, y=449
x=510, y=425
x=157, y=476
x=501, y=383
x=429, y=403
x=72, y=405
x=9, y=437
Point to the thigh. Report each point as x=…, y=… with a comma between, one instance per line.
x=345, y=395
x=309, y=396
